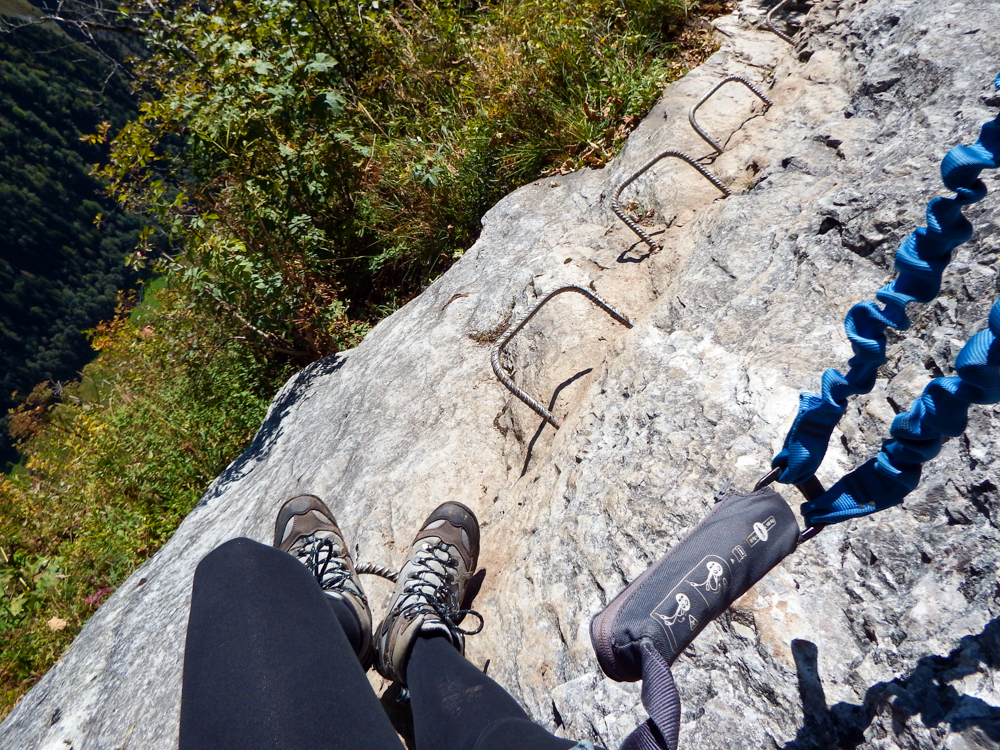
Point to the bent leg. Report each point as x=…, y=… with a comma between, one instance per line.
x=457, y=707
x=267, y=663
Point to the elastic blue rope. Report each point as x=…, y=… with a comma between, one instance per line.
x=920, y=262
x=941, y=411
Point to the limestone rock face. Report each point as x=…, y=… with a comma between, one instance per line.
x=879, y=633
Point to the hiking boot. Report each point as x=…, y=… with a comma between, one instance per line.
x=432, y=590
x=306, y=528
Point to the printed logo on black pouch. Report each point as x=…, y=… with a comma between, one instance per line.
x=681, y=611
x=760, y=531
x=738, y=554
x=714, y=581
x=683, y=607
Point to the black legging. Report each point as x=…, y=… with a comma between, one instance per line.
x=269, y=664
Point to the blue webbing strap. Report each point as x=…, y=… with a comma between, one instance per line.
x=920, y=262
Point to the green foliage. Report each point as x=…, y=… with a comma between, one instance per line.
x=111, y=470
x=25, y=581
x=59, y=272
x=319, y=163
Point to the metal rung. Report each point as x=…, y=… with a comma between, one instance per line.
x=374, y=569
x=706, y=97
x=616, y=206
x=505, y=378
x=770, y=25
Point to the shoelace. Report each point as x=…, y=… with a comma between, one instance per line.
x=432, y=589
x=328, y=565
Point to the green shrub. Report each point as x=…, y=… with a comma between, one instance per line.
x=319, y=164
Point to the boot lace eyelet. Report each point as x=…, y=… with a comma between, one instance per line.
x=328, y=564
x=430, y=588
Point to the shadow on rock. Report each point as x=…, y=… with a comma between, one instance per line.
x=625, y=256
x=925, y=692
x=552, y=405
x=271, y=428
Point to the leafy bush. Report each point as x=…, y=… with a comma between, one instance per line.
x=319, y=164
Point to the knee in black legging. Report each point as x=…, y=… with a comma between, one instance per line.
x=244, y=562
x=247, y=565
x=236, y=552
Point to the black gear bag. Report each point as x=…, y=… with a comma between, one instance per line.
x=643, y=630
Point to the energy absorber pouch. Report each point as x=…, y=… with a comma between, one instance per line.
x=643, y=630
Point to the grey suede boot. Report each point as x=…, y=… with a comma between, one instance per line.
x=306, y=528
x=431, y=590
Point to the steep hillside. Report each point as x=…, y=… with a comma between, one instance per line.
x=879, y=633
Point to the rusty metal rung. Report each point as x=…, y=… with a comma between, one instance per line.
x=505, y=378
x=770, y=25
x=616, y=206
x=374, y=569
x=706, y=97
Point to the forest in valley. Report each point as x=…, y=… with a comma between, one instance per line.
x=241, y=188
x=60, y=273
